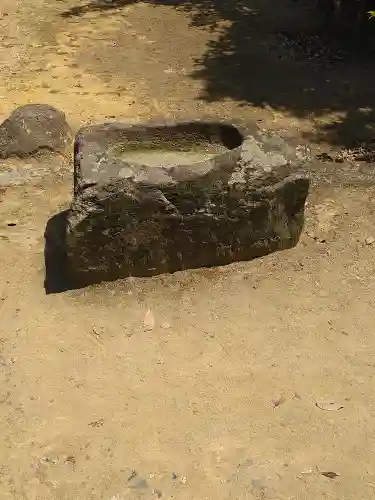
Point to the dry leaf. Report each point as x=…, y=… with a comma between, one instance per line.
x=149, y=320
x=330, y=475
x=279, y=401
x=97, y=423
x=329, y=405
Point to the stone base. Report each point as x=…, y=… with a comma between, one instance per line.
x=135, y=220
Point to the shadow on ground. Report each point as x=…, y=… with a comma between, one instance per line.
x=55, y=257
x=95, y=6
x=282, y=59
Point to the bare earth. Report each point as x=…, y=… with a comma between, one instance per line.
x=251, y=381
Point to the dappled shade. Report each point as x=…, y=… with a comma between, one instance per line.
x=280, y=56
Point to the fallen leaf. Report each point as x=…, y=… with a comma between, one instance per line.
x=71, y=459
x=328, y=405
x=279, y=401
x=149, y=320
x=95, y=332
x=132, y=475
x=330, y=475
x=97, y=423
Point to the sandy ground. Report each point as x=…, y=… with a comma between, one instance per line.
x=122, y=63
x=252, y=381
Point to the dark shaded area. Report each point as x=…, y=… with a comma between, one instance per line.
x=284, y=56
x=96, y=6
x=55, y=258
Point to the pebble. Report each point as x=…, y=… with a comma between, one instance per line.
x=11, y=223
x=370, y=240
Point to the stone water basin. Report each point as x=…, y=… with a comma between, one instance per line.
x=163, y=197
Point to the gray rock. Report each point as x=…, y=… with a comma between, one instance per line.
x=245, y=201
x=34, y=128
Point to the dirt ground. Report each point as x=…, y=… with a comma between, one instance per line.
x=251, y=381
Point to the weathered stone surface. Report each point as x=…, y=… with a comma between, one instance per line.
x=130, y=219
x=34, y=128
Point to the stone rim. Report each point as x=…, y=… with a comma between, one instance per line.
x=89, y=142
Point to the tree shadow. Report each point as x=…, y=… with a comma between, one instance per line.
x=96, y=6
x=283, y=57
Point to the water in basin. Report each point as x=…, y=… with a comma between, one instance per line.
x=171, y=157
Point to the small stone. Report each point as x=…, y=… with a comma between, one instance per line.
x=34, y=128
x=11, y=223
x=165, y=325
x=370, y=240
